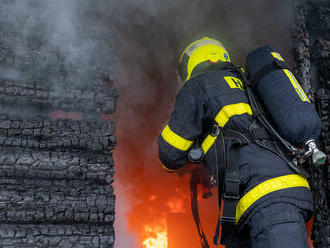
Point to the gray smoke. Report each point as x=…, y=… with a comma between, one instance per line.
x=56, y=42
x=152, y=34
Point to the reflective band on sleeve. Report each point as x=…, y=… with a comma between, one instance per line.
x=292, y=79
x=229, y=111
x=167, y=169
x=175, y=140
x=208, y=142
x=269, y=186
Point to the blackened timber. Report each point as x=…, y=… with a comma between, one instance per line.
x=312, y=50
x=55, y=201
x=21, y=162
x=56, y=235
x=101, y=99
x=48, y=134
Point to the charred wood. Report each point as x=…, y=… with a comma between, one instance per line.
x=312, y=49
x=20, y=95
x=55, y=201
x=20, y=162
x=56, y=235
x=48, y=134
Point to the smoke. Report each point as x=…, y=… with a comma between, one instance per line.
x=151, y=34
x=56, y=42
x=123, y=237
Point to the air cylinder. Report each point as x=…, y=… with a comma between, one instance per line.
x=290, y=110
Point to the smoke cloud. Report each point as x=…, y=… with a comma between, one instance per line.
x=56, y=42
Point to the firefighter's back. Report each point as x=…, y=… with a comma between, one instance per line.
x=259, y=168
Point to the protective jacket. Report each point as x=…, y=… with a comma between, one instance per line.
x=265, y=178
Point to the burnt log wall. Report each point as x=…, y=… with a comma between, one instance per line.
x=312, y=54
x=56, y=175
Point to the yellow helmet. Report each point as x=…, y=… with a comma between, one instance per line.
x=200, y=55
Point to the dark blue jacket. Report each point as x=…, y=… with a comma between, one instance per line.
x=219, y=96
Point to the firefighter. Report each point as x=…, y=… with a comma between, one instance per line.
x=266, y=203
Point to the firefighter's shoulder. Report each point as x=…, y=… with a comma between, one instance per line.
x=217, y=79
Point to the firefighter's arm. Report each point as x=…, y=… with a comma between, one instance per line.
x=185, y=125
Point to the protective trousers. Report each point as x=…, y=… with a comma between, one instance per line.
x=281, y=225
x=276, y=222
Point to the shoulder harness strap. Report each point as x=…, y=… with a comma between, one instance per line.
x=276, y=64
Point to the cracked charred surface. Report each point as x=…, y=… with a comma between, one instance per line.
x=312, y=53
x=52, y=235
x=20, y=162
x=14, y=94
x=55, y=183
x=56, y=175
x=55, y=201
x=51, y=134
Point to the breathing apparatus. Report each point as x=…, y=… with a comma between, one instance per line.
x=294, y=116
x=300, y=156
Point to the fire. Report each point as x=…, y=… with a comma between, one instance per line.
x=176, y=205
x=157, y=236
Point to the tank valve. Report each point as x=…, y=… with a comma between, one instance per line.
x=311, y=150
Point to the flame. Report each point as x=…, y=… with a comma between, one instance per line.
x=176, y=205
x=157, y=236
x=152, y=198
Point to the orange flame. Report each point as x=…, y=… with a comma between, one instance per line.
x=176, y=205
x=157, y=236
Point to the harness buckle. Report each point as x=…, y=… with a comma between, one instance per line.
x=227, y=220
x=232, y=197
x=215, y=131
x=231, y=189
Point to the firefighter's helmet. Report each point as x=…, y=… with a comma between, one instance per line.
x=199, y=56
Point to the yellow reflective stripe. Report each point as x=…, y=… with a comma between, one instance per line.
x=292, y=79
x=229, y=111
x=269, y=186
x=208, y=142
x=234, y=82
x=277, y=56
x=175, y=140
x=296, y=86
x=167, y=169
